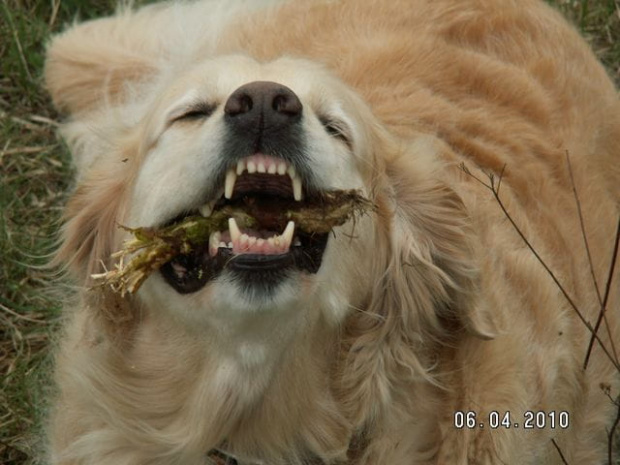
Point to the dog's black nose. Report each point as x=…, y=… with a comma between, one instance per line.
x=262, y=106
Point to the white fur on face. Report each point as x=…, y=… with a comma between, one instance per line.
x=178, y=175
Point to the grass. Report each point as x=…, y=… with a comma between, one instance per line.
x=35, y=174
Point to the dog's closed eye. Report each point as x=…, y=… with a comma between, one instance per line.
x=195, y=112
x=337, y=129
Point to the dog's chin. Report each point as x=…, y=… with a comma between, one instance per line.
x=235, y=296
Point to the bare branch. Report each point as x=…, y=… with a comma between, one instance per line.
x=602, y=302
x=583, y=228
x=555, y=444
x=612, y=432
x=568, y=298
x=610, y=276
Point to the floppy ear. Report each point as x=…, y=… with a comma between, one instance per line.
x=427, y=292
x=93, y=62
x=92, y=217
x=89, y=72
x=433, y=280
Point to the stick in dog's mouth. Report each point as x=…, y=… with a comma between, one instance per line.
x=153, y=247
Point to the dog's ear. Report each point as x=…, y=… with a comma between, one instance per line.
x=432, y=280
x=95, y=210
x=435, y=252
x=427, y=291
x=95, y=61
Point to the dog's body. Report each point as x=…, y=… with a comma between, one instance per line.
x=421, y=315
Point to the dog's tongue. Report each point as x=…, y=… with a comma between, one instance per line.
x=251, y=241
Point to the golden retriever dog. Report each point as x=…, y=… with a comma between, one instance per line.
x=450, y=324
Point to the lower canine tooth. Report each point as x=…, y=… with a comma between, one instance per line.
x=235, y=232
x=207, y=209
x=214, y=242
x=288, y=233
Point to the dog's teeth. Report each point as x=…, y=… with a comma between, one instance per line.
x=251, y=167
x=282, y=168
x=273, y=169
x=235, y=232
x=297, y=188
x=244, y=241
x=287, y=235
x=297, y=242
x=240, y=167
x=207, y=209
x=223, y=245
x=231, y=178
x=261, y=168
x=291, y=171
x=272, y=241
x=214, y=242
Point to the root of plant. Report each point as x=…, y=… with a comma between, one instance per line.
x=152, y=247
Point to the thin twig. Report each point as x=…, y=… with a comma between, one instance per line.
x=610, y=276
x=492, y=187
x=18, y=45
x=555, y=444
x=583, y=229
x=26, y=150
x=55, y=9
x=612, y=432
x=20, y=317
x=602, y=302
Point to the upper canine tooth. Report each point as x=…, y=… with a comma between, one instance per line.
x=291, y=171
x=297, y=188
x=231, y=178
x=235, y=232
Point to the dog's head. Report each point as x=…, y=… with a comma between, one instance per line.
x=156, y=139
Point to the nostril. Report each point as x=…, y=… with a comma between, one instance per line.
x=238, y=104
x=286, y=103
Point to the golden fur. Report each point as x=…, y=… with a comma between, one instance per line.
x=433, y=305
